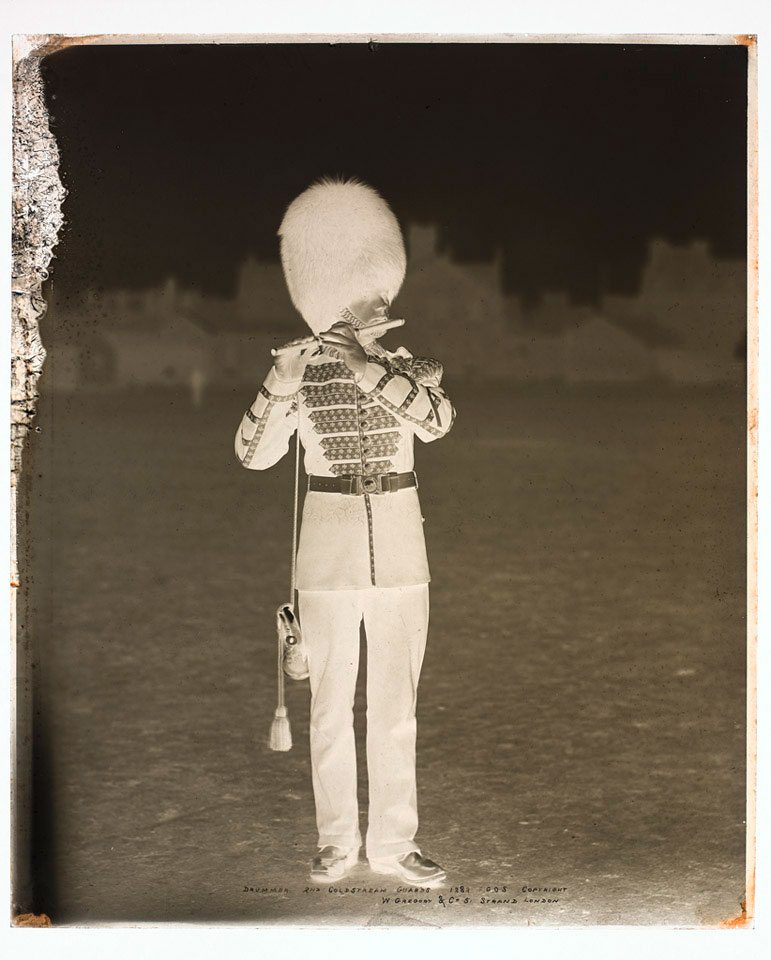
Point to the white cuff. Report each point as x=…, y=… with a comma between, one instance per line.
x=281, y=388
x=373, y=374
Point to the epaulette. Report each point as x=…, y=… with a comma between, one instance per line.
x=423, y=370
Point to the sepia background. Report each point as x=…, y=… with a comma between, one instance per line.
x=575, y=219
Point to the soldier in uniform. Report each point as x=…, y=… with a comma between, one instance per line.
x=361, y=554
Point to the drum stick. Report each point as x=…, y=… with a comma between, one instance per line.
x=380, y=327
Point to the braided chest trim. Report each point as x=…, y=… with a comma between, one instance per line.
x=341, y=448
x=382, y=444
x=344, y=420
x=328, y=394
x=334, y=421
x=378, y=418
x=359, y=470
x=322, y=372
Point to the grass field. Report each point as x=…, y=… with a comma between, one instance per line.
x=582, y=707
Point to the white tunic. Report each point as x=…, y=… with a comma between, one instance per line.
x=353, y=429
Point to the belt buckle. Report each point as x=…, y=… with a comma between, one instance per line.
x=370, y=484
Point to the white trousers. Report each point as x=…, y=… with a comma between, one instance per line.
x=396, y=625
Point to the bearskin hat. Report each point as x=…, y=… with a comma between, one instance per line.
x=340, y=243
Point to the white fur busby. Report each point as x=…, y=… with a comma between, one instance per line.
x=340, y=243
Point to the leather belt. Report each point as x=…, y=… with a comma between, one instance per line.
x=374, y=483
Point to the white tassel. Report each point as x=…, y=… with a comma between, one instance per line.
x=280, y=731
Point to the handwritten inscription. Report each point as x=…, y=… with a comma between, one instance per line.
x=460, y=895
x=282, y=890
x=341, y=891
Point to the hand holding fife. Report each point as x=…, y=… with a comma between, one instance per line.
x=290, y=361
x=375, y=329
x=340, y=342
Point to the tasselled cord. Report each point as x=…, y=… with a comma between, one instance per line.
x=293, y=571
x=293, y=576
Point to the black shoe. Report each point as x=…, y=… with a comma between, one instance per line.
x=412, y=867
x=333, y=863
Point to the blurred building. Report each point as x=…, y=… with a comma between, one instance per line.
x=683, y=326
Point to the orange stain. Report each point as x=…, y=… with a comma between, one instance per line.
x=743, y=920
x=32, y=920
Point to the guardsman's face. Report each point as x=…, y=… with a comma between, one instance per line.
x=369, y=311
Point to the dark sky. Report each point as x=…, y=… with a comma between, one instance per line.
x=180, y=160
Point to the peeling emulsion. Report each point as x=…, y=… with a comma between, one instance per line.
x=37, y=216
x=37, y=201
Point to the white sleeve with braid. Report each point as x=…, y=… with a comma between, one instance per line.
x=424, y=406
x=264, y=433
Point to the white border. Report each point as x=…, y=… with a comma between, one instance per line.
x=368, y=18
